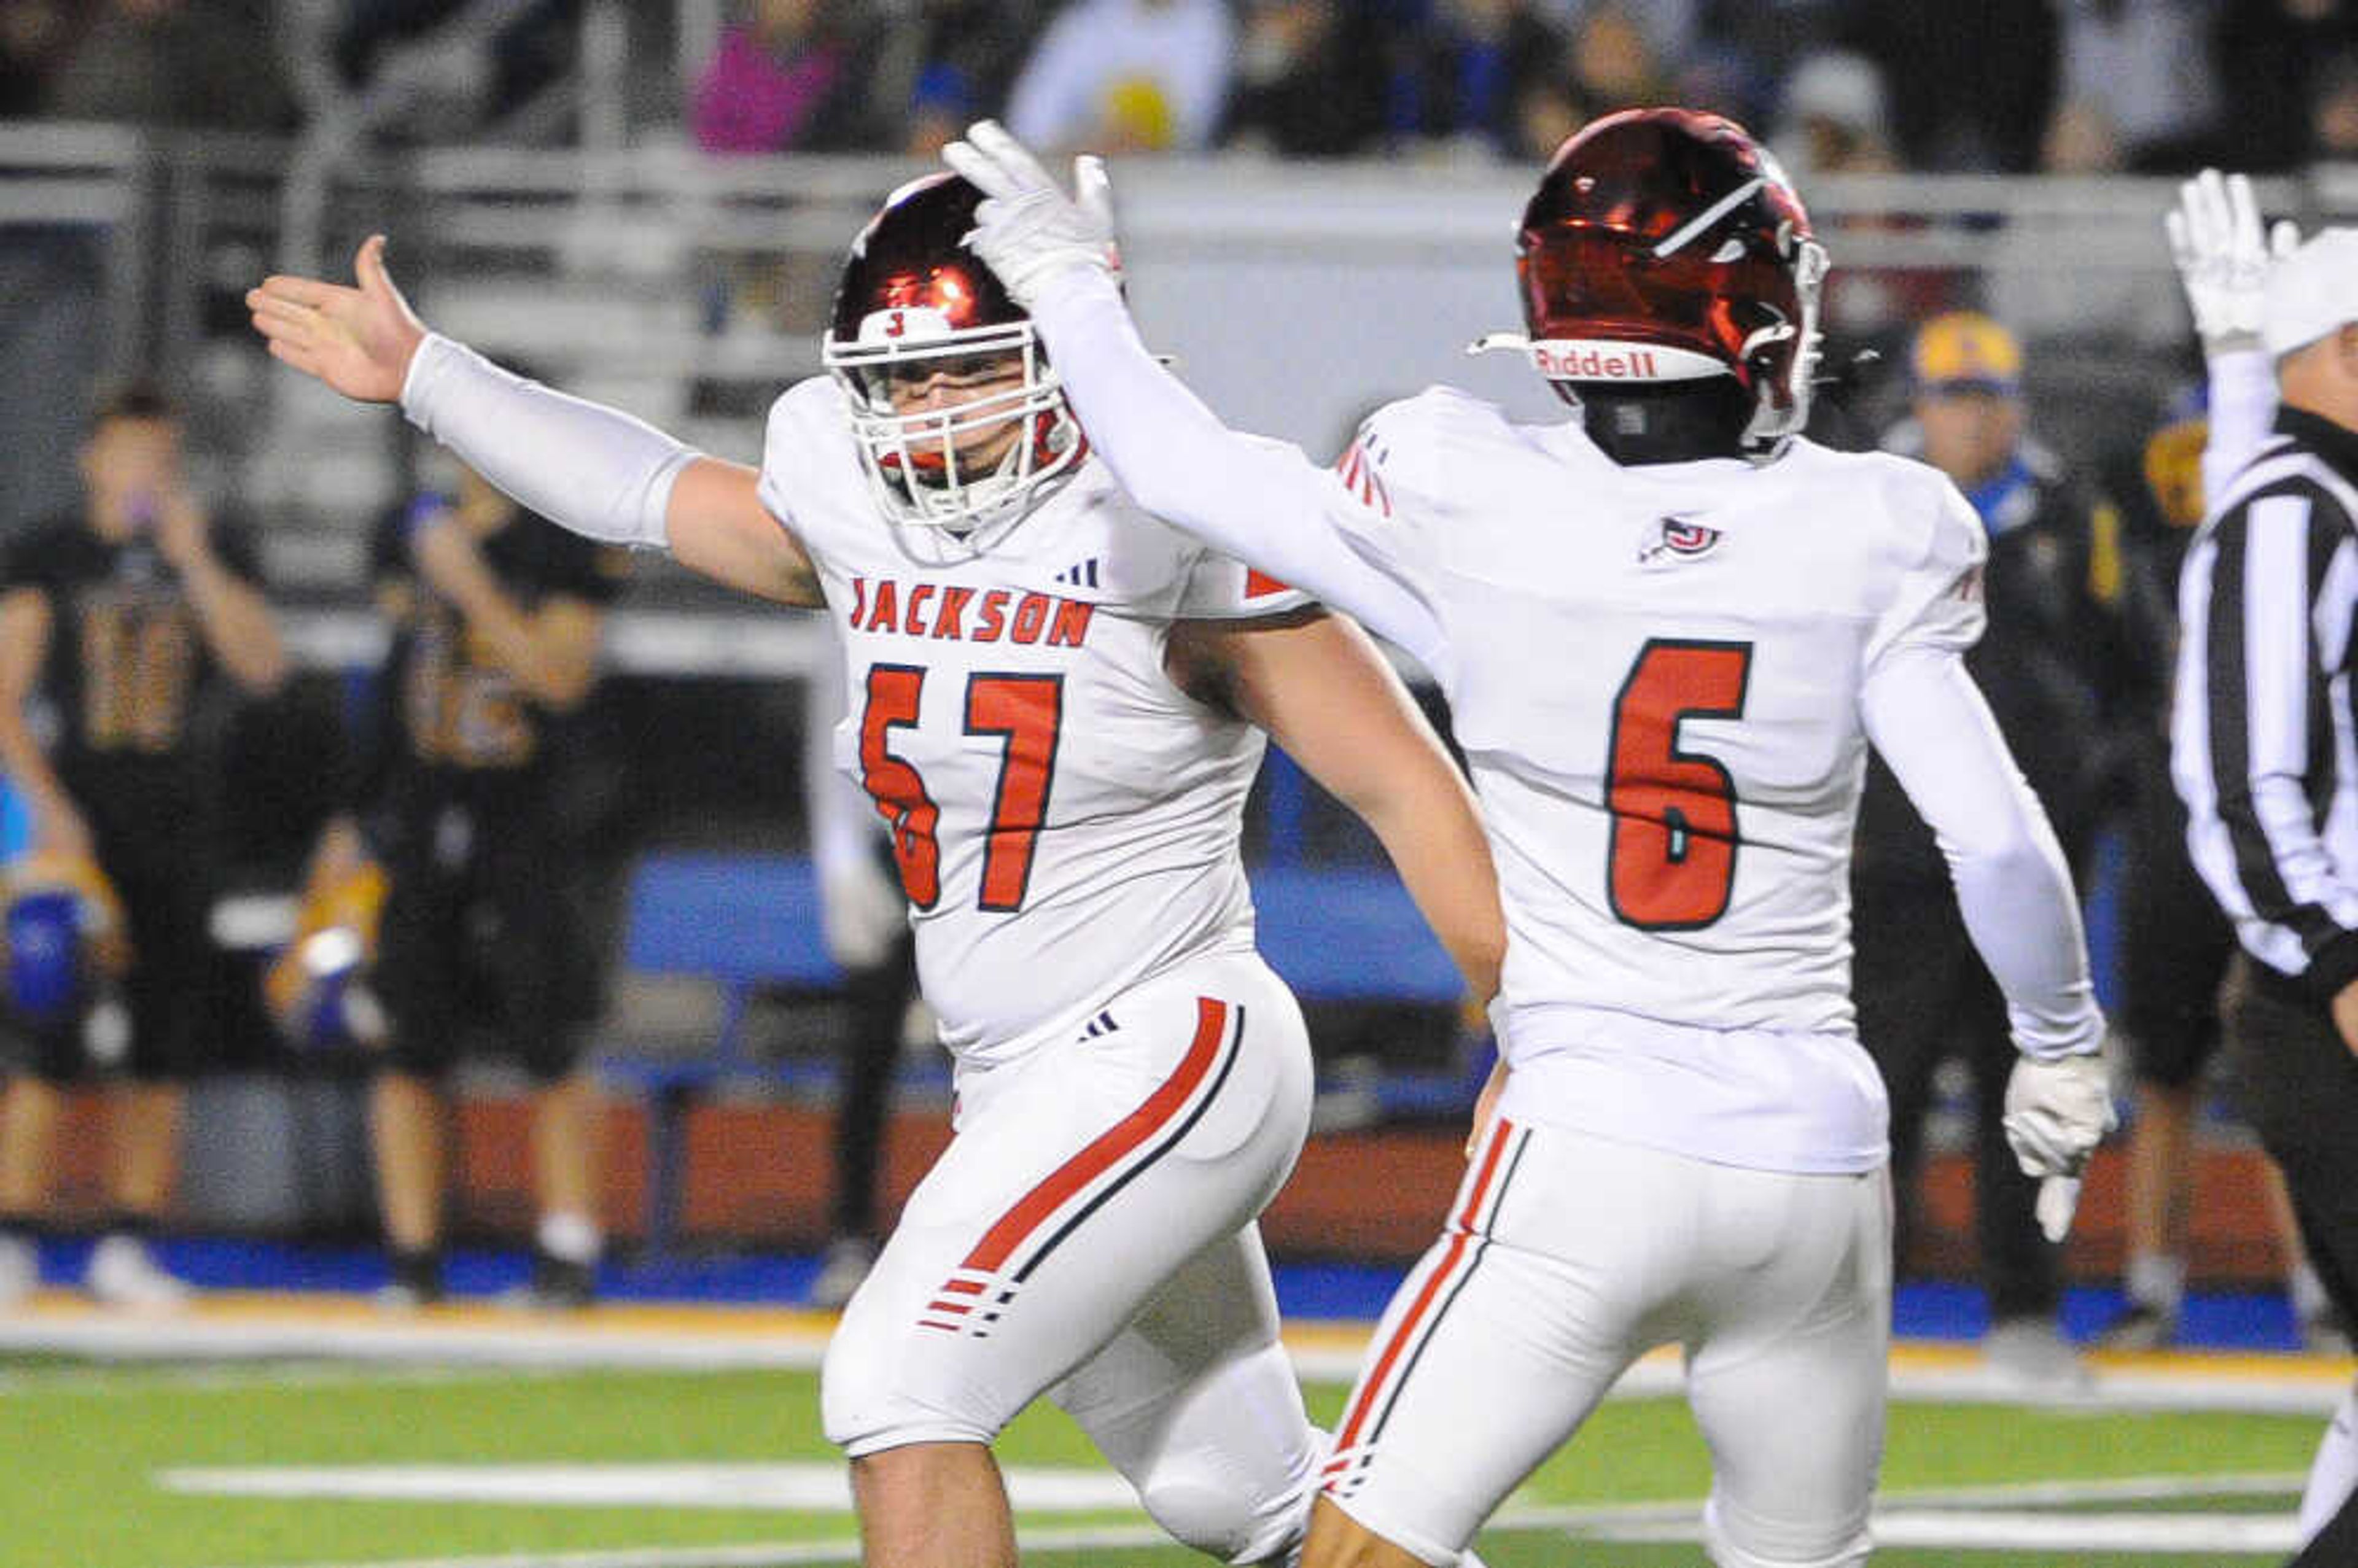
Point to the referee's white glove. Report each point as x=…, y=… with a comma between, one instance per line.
x=1027, y=229
x=2222, y=258
x=2057, y=1111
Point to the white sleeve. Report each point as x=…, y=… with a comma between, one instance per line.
x=1929, y=723
x=845, y=824
x=583, y=466
x=1939, y=603
x=2243, y=398
x=1219, y=588
x=1259, y=500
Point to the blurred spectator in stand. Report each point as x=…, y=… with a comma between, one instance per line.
x=2333, y=111
x=1460, y=79
x=1725, y=80
x=1548, y=112
x=2146, y=68
x=1310, y=79
x=941, y=64
x=531, y=47
x=1118, y=76
x=200, y=64
x=1973, y=87
x=34, y=35
x=114, y=622
x=2051, y=586
x=1615, y=63
x=941, y=107
x=865, y=919
x=788, y=78
x=1672, y=27
x=2082, y=139
x=1776, y=33
x=1835, y=119
x=2271, y=53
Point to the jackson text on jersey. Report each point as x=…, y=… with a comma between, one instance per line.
x=947, y=612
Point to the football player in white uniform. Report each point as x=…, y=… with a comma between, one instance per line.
x=1668, y=631
x=1053, y=704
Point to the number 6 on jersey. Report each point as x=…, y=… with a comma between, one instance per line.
x=1673, y=847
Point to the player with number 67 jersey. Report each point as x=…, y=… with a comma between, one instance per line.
x=1057, y=703
x=1668, y=631
x=1064, y=816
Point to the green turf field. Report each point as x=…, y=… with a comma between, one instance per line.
x=105, y=1467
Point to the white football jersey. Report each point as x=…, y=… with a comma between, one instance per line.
x=1064, y=818
x=1654, y=673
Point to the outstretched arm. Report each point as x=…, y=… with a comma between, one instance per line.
x=590, y=469
x=1260, y=501
x=1929, y=723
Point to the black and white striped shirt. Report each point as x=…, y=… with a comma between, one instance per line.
x=2264, y=736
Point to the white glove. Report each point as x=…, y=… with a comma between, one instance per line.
x=2214, y=238
x=1027, y=229
x=861, y=912
x=2055, y=1113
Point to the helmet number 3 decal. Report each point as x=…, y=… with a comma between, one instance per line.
x=1675, y=840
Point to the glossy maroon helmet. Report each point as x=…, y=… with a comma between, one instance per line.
x=914, y=301
x=1666, y=245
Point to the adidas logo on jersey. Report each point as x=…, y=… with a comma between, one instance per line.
x=1673, y=539
x=1082, y=576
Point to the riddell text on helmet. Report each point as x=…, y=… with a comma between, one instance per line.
x=1571, y=361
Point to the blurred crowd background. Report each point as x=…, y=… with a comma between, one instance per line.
x=2001, y=86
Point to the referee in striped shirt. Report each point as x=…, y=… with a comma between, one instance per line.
x=2264, y=751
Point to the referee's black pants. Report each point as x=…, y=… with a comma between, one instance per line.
x=2297, y=1083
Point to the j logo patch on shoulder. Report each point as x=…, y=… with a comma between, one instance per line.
x=1674, y=539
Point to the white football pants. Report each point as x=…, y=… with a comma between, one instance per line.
x=1565, y=1258
x=1089, y=1234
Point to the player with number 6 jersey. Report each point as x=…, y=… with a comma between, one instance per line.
x=1668, y=631
x=1057, y=703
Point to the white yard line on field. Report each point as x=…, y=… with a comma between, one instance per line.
x=2008, y=1516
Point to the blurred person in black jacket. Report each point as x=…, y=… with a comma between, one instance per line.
x=2053, y=589
x=1973, y=87
x=1310, y=79
x=193, y=64
x=114, y=623
x=497, y=618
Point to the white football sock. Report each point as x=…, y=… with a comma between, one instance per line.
x=2156, y=1279
x=2334, y=1473
x=2308, y=1293
x=571, y=1237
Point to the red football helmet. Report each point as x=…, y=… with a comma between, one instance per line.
x=915, y=303
x=1665, y=245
